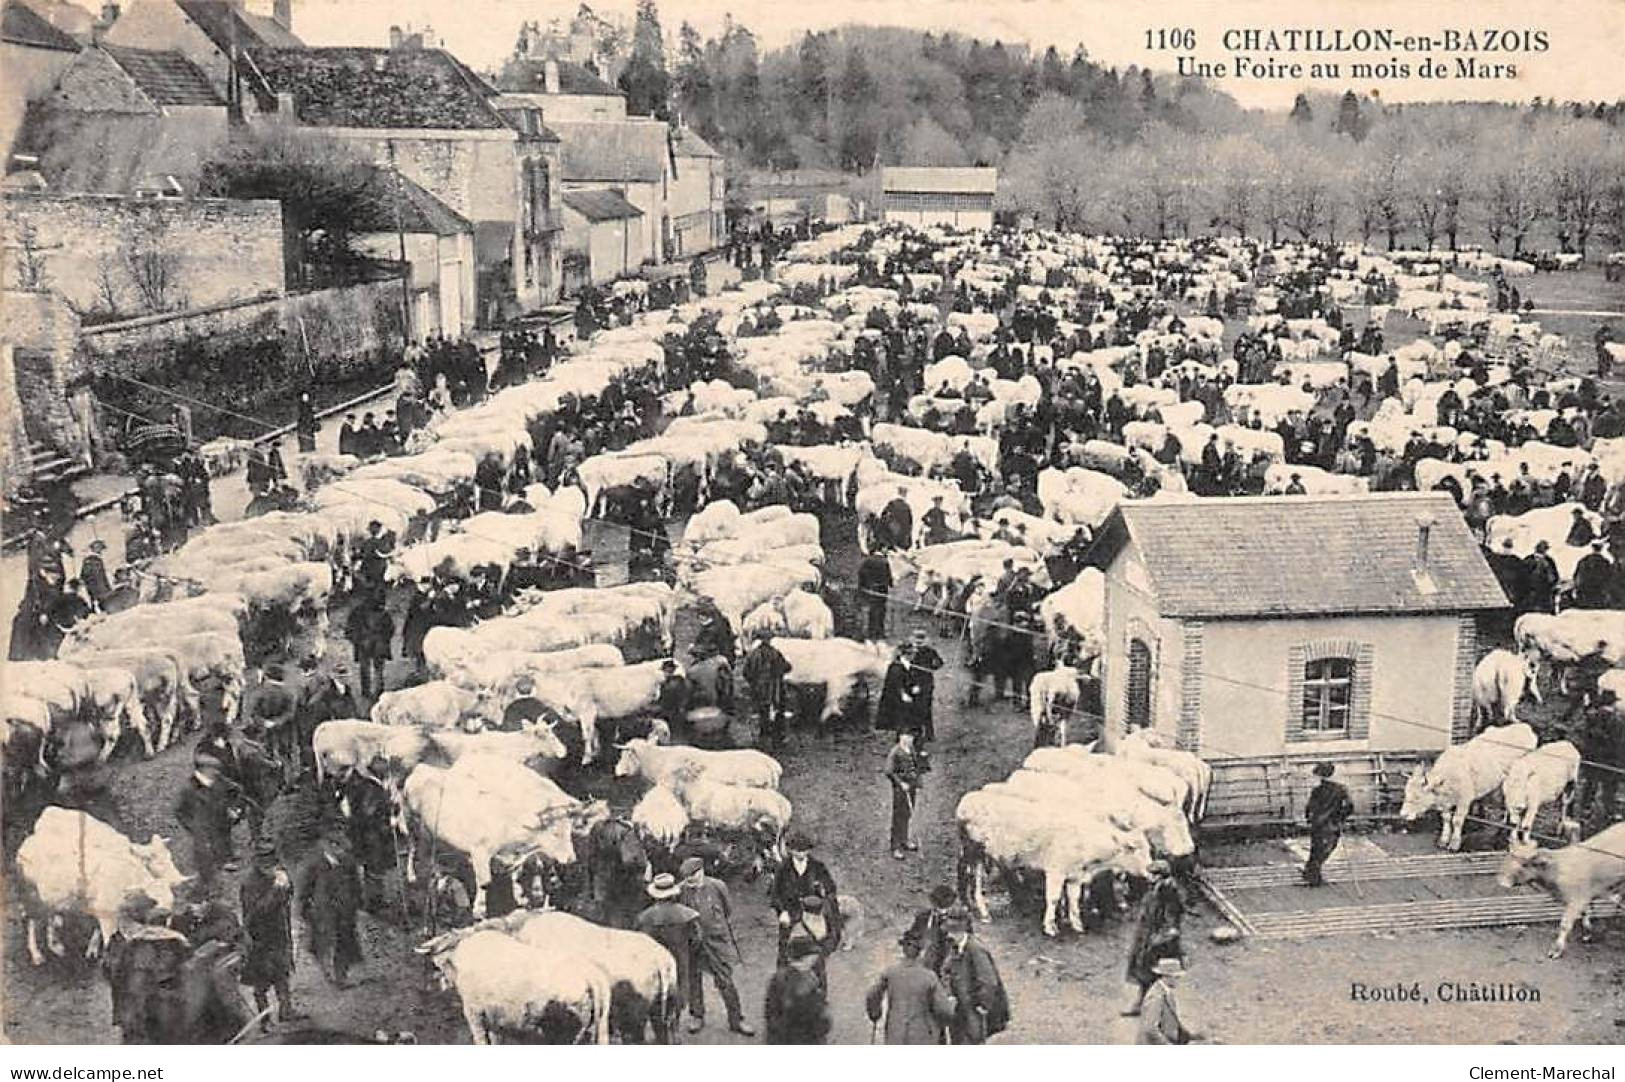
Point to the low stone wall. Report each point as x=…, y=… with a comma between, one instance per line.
x=247, y=357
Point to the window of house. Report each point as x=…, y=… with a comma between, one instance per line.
x=1328, y=696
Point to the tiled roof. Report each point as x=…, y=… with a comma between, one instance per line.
x=22, y=25
x=1303, y=555
x=225, y=23
x=420, y=211
x=114, y=154
x=167, y=77
x=940, y=179
x=613, y=150
x=686, y=143
x=379, y=88
x=601, y=205
x=529, y=76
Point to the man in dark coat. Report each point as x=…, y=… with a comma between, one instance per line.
x=329, y=897
x=1594, y=579
x=981, y=1006
x=677, y=928
x=795, y=1009
x=347, y=436
x=915, y=1003
x=927, y=927
x=304, y=424
x=371, y=631
x=1329, y=806
x=799, y=878
x=1540, y=580
x=325, y=696
x=896, y=523
x=266, y=900
x=93, y=573
x=206, y=810
x=910, y=685
x=764, y=671
x=716, y=949
x=1156, y=932
x=874, y=588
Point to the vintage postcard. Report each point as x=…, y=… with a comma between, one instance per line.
x=904, y=522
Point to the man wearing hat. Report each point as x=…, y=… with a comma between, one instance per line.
x=1156, y=931
x=330, y=895
x=266, y=900
x=799, y=879
x=874, y=588
x=1594, y=579
x=323, y=696
x=371, y=631
x=709, y=899
x=927, y=926
x=206, y=810
x=905, y=770
x=1540, y=580
x=764, y=670
x=671, y=700
x=93, y=573
x=981, y=1006
x=1159, y=1021
x=677, y=928
x=915, y=1004
x=1329, y=805
x=796, y=1007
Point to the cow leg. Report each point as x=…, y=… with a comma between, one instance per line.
x=1075, y=889
x=476, y=1025
x=1053, y=884
x=53, y=935
x=142, y=723
x=979, y=890
x=1456, y=820
x=111, y=731
x=1573, y=911
x=35, y=955
x=105, y=927
x=482, y=879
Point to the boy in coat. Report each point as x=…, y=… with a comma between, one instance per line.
x=266, y=899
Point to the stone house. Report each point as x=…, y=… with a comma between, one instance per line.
x=603, y=232
x=698, y=196
x=1293, y=627
x=425, y=113
x=632, y=156
x=33, y=56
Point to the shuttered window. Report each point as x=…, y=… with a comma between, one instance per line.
x=1329, y=691
x=1138, y=712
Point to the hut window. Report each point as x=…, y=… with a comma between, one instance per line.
x=1328, y=694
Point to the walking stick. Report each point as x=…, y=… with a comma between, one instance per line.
x=252, y=1022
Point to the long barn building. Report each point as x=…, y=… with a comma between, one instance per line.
x=961, y=198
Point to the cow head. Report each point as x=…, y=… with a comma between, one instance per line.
x=160, y=863
x=1525, y=863
x=1531, y=671
x=629, y=765
x=547, y=740
x=1419, y=797
x=1133, y=856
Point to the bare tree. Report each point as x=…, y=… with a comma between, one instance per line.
x=152, y=269
x=1578, y=153
x=1513, y=186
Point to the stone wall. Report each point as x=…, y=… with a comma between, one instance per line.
x=39, y=371
x=245, y=357
x=124, y=256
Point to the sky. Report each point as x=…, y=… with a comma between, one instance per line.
x=1585, y=39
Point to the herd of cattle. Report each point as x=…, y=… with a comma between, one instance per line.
x=596, y=657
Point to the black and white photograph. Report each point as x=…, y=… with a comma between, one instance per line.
x=683, y=522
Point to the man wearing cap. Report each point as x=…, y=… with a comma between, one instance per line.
x=710, y=900
x=796, y=1007
x=927, y=926
x=981, y=1006
x=1156, y=931
x=908, y=992
x=266, y=900
x=910, y=685
x=1159, y=1021
x=207, y=811
x=1540, y=580
x=330, y=894
x=273, y=704
x=799, y=878
x=677, y=928
x=671, y=700
x=1329, y=805
x=324, y=696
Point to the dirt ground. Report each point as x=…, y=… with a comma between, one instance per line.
x=1066, y=990
x=1063, y=991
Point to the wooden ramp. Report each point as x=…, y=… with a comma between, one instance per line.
x=1426, y=892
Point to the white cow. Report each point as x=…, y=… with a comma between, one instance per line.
x=1499, y=682
x=507, y=986
x=1544, y=776
x=1463, y=774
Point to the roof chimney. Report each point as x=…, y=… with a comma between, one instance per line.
x=550, y=75
x=395, y=37
x=1421, y=572
x=282, y=14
